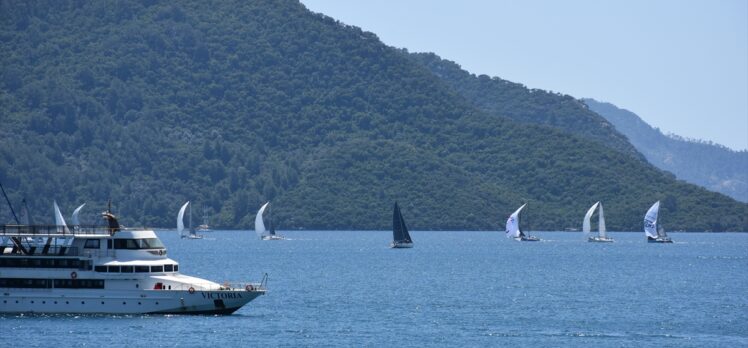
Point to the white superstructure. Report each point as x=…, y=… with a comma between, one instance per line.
x=53, y=269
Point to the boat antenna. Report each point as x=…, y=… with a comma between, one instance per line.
x=26, y=213
x=15, y=240
x=110, y=218
x=9, y=205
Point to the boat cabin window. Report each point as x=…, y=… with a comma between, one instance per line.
x=157, y=268
x=113, y=269
x=127, y=269
x=27, y=262
x=145, y=243
x=176, y=268
x=168, y=268
x=100, y=268
x=92, y=244
x=141, y=269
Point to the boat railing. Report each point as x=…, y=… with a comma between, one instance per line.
x=62, y=250
x=53, y=250
x=225, y=286
x=59, y=231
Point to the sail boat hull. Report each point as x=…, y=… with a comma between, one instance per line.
x=527, y=239
x=272, y=237
x=659, y=240
x=600, y=240
x=401, y=245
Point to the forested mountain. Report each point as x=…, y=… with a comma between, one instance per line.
x=496, y=96
x=712, y=166
x=233, y=103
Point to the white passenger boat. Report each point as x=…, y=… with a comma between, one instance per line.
x=104, y=270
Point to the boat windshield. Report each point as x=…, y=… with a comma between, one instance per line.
x=145, y=243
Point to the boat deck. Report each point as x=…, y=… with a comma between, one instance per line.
x=54, y=231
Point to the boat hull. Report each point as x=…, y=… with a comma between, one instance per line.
x=125, y=302
x=401, y=245
x=600, y=240
x=273, y=237
x=659, y=240
x=527, y=239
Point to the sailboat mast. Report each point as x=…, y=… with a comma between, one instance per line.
x=9, y=205
x=270, y=217
x=602, y=232
x=519, y=221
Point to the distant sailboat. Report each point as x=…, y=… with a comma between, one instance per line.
x=586, y=226
x=25, y=215
x=260, y=229
x=654, y=235
x=513, y=229
x=76, y=221
x=180, y=224
x=62, y=227
x=204, y=227
x=400, y=236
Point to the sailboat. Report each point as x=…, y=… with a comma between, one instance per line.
x=62, y=227
x=204, y=227
x=180, y=224
x=400, y=235
x=76, y=220
x=586, y=226
x=654, y=235
x=260, y=229
x=513, y=229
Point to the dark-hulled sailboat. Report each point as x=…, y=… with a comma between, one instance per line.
x=400, y=235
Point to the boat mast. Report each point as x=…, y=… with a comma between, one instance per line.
x=15, y=240
x=9, y=205
x=192, y=231
x=205, y=216
x=519, y=220
x=270, y=217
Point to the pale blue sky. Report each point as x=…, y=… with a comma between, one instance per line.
x=680, y=65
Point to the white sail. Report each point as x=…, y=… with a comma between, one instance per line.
x=62, y=227
x=180, y=218
x=259, y=225
x=650, y=220
x=586, y=226
x=512, y=224
x=603, y=231
x=76, y=212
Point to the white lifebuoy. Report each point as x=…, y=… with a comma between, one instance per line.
x=73, y=274
x=191, y=290
x=249, y=287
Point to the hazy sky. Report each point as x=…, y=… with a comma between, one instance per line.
x=680, y=65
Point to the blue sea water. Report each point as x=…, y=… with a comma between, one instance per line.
x=347, y=288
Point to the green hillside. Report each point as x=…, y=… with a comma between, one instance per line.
x=233, y=103
x=496, y=96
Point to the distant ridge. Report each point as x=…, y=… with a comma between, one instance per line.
x=500, y=97
x=712, y=166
